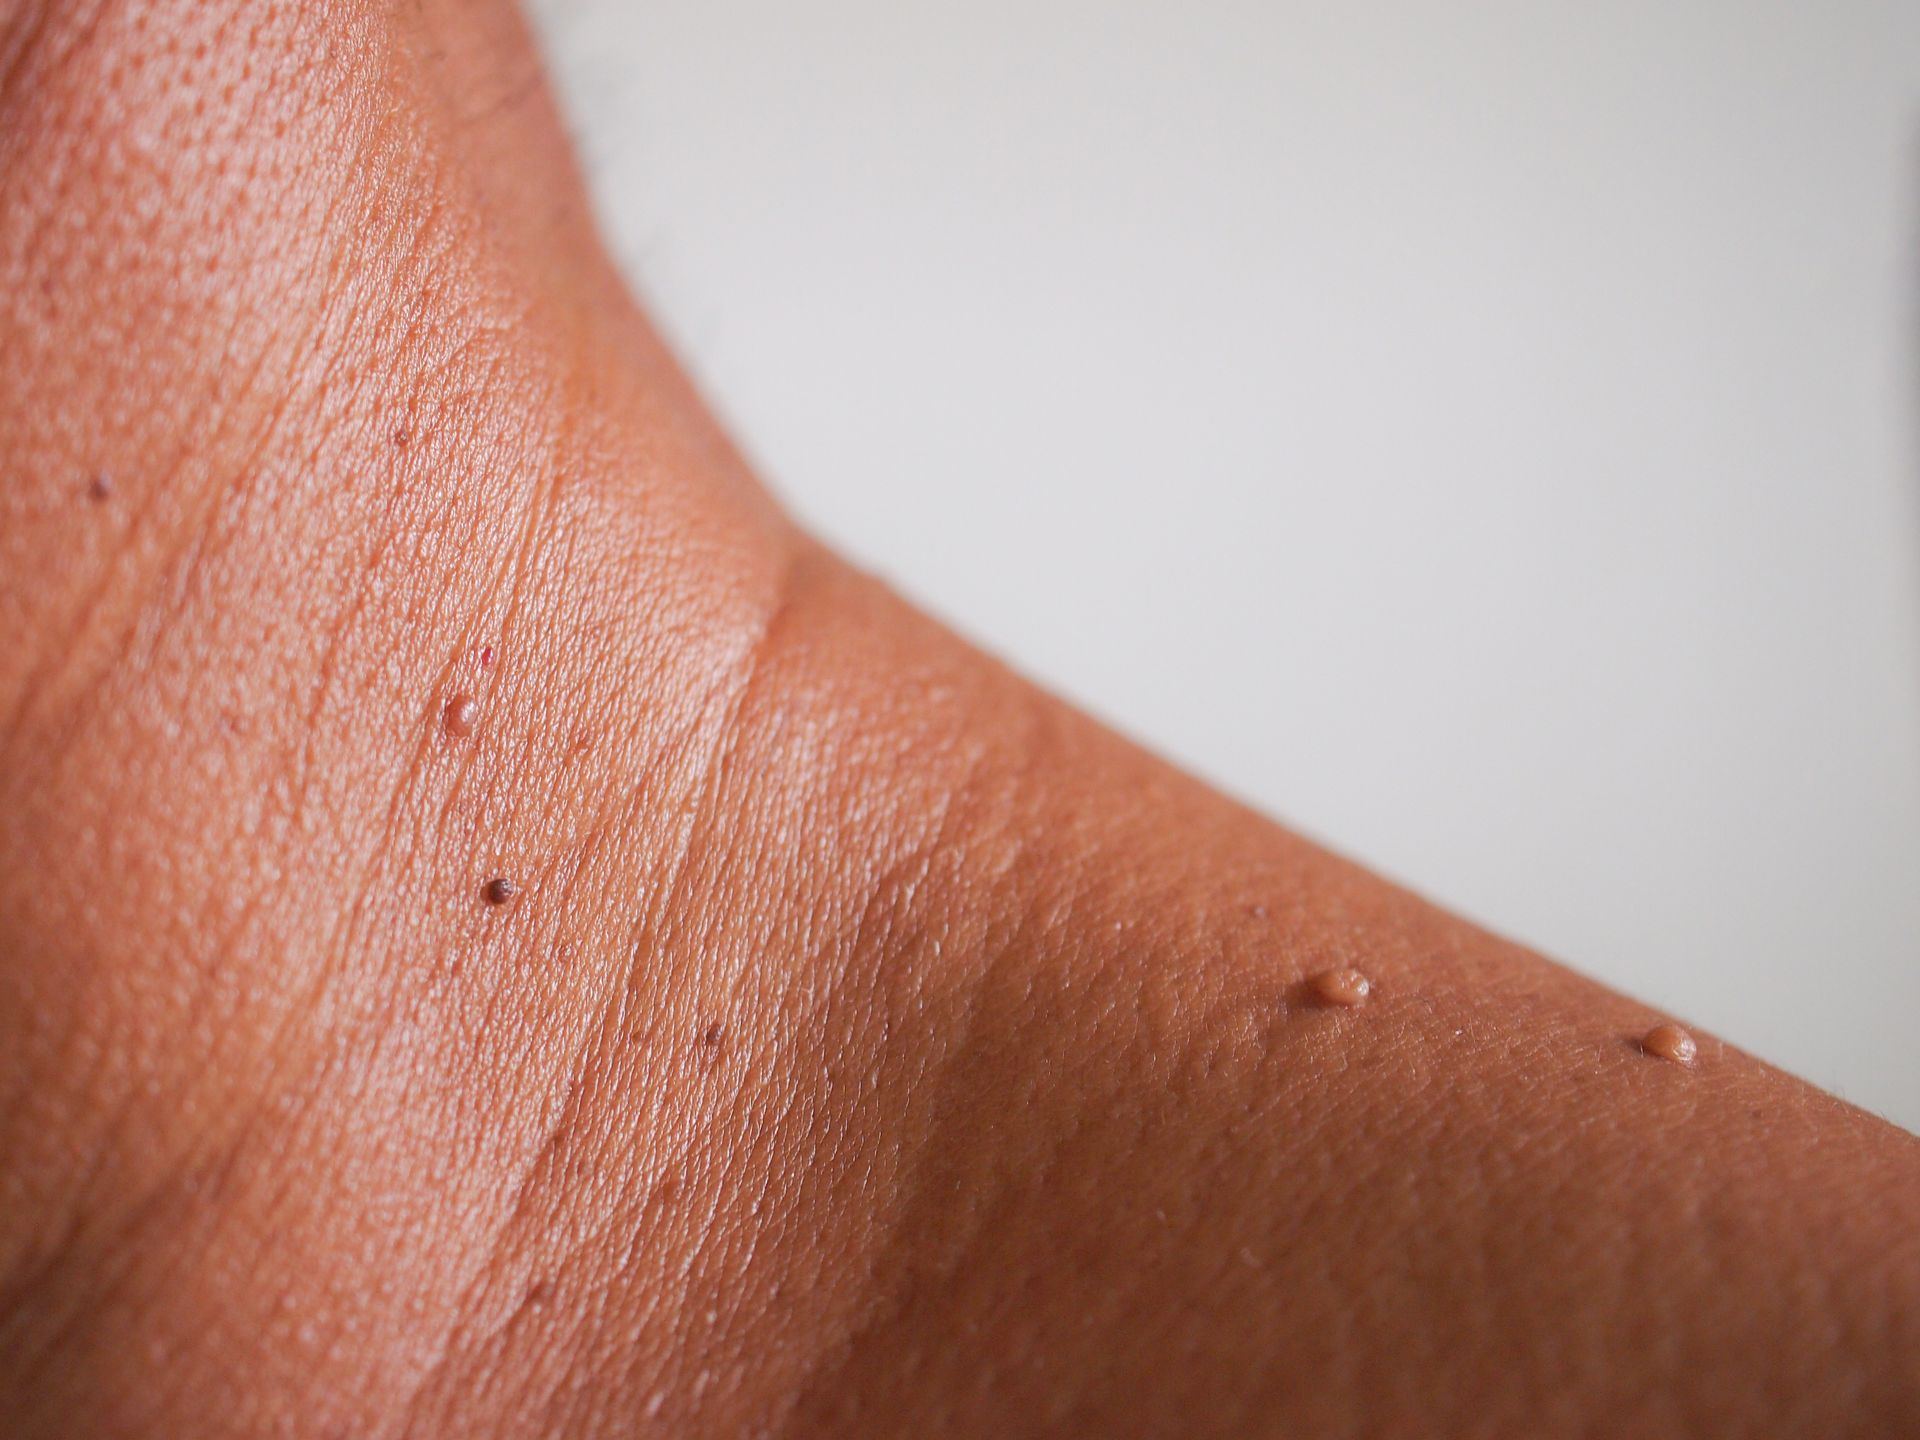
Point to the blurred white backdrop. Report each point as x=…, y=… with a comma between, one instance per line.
x=1484, y=435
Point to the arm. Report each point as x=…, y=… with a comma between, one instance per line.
x=864, y=1041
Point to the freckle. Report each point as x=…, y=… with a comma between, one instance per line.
x=499, y=890
x=1669, y=1042
x=460, y=716
x=401, y=436
x=713, y=1034
x=1345, y=988
x=99, y=488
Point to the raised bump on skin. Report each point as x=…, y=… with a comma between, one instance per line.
x=1344, y=988
x=1668, y=1041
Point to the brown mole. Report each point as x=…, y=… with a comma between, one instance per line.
x=1345, y=988
x=100, y=487
x=460, y=716
x=499, y=890
x=1668, y=1041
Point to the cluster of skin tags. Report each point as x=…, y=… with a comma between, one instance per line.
x=1342, y=989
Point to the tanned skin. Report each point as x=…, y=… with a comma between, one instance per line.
x=871, y=1045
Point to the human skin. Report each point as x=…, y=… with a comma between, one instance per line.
x=872, y=1044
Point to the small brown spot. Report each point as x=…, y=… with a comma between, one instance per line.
x=100, y=488
x=538, y=1295
x=1345, y=988
x=1668, y=1041
x=499, y=890
x=402, y=437
x=713, y=1034
x=462, y=713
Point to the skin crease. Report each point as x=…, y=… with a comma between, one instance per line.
x=872, y=1044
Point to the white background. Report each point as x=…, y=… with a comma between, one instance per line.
x=1485, y=435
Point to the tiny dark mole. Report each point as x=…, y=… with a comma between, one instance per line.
x=1668, y=1041
x=460, y=716
x=499, y=890
x=100, y=487
x=401, y=436
x=713, y=1034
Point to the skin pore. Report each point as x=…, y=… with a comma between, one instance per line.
x=867, y=1043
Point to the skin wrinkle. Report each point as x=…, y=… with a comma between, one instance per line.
x=708, y=773
x=357, y=919
x=561, y=1127
x=354, y=916
x=515, y=554
x=618, y=1219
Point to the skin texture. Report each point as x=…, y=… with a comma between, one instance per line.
x=871, y=1044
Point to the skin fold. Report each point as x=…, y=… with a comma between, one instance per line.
x=871, y=1043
